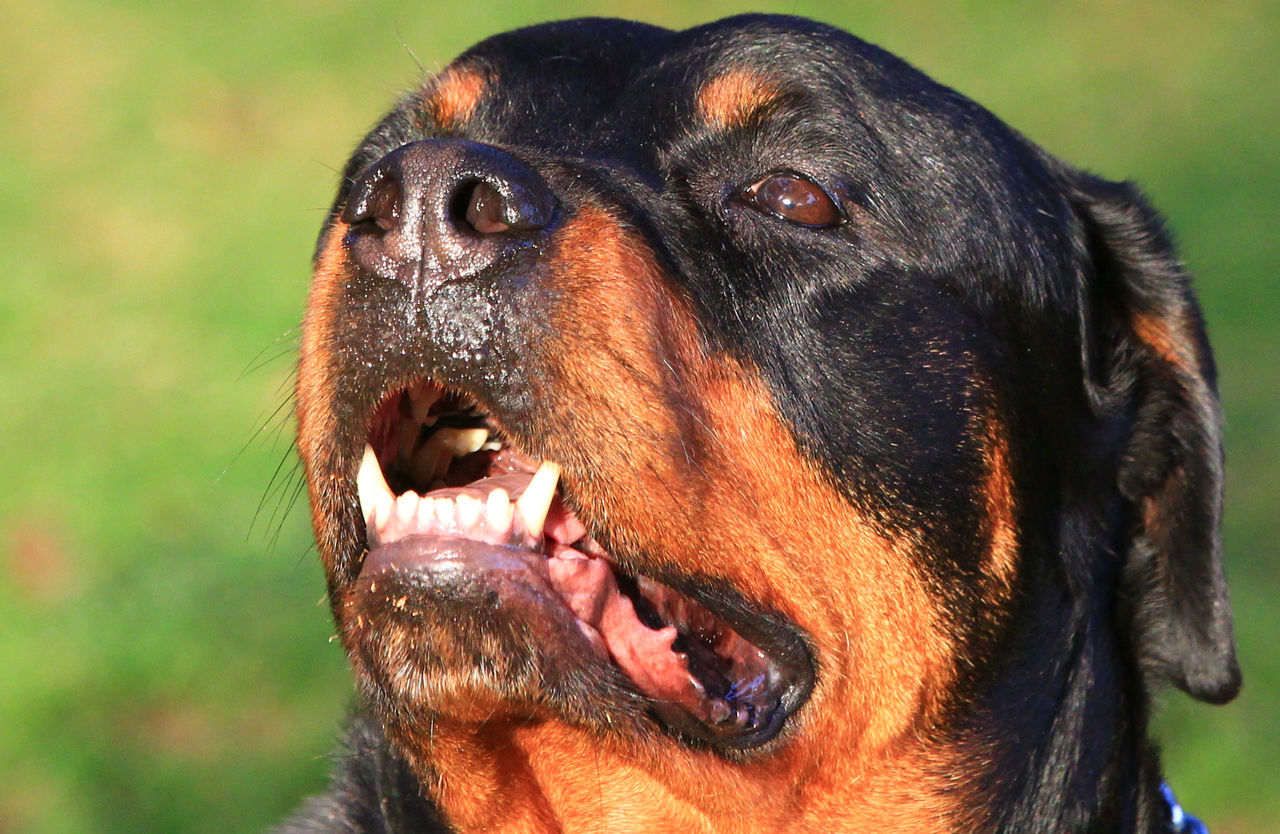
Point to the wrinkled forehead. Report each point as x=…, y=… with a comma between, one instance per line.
x=717, y=107
x=612, y=85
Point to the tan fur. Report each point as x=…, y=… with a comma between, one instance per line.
x=314, y=392
x=860, y=755
x=452, y=96
x=735, y=97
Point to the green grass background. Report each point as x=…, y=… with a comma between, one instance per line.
x=164, y=662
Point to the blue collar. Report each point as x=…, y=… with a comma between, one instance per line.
x=1180, y=822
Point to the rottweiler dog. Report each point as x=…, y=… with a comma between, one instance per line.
x=736, y=430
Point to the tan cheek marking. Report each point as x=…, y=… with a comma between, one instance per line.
x=314, y=404
x=732, y=99
x=547, y=776
x=1002, y=521
x=452, y=96
x=687, y=452
x=480, y=780
x=724, y=491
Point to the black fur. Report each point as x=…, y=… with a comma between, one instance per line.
x=980, y=277
x=372, y=792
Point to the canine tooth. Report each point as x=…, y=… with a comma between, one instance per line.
x=377, y=518
x=386, y=521
x=536, y=500
x=371, y=486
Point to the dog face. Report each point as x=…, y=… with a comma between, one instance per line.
x=737, y=409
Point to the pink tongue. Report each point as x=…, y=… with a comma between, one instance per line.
x=589, y=589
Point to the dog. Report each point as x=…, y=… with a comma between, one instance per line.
x=735, y=430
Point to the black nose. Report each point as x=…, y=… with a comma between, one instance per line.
x=442, y=209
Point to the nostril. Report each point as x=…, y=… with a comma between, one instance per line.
x=485, y=209
x=512, y=204
x=439, y=207
x=378, y=202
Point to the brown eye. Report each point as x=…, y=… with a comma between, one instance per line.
x=795, y=198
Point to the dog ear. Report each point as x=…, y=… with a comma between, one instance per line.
x=1149, y=365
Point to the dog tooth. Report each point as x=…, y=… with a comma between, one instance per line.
x=536, y=500
x=468, y=510
x=459, y=442
x=372, y=521
x=406, y=513
x=384, y=507
x=475, y=439
x=426, y=515
x=498, y=512
x=382, y=529
x=445, y=512
x=371, y=486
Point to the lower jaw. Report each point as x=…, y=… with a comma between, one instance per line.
x=455, y=595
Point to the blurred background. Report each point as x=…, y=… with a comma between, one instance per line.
x=164, y=166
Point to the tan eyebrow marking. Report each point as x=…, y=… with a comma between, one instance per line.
x=452, y=96
x=731, y=99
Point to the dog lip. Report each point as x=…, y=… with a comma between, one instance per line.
x=775, y=636
x=710, y=664
x=420, y=553
x=529, y=584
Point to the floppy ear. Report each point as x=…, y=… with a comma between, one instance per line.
x=1149, y=363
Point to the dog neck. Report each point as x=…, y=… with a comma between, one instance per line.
x=1066, y=729
x=549, y=776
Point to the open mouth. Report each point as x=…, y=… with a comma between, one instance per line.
x=440, y=481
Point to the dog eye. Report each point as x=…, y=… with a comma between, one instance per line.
x=796, y=199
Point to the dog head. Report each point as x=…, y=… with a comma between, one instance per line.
x=738, y=408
